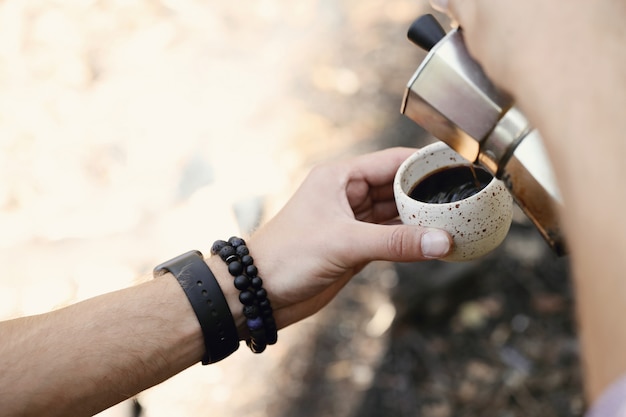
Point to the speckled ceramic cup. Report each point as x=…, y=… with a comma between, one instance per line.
x=477, y=224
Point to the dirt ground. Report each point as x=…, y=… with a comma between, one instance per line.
x=123, y=126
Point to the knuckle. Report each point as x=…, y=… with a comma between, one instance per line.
x=399, y=244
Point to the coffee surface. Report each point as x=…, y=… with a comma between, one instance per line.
x=451, y=184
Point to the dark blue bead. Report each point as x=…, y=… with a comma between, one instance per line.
x=255, y=323
x=264, y=304
x=235, y=268
x=251, y=271
x=242, y=282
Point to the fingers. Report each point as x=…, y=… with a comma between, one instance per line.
x=397, y=243
x=379, y=168
x=382, y=212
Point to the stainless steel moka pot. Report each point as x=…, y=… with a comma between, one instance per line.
x=451, y=97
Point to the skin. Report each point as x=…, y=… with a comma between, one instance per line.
x=86, y=357
x=565, y=65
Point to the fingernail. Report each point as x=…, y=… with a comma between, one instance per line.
x=435, y=244
x=441, y=5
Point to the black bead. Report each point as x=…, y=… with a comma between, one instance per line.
x=242, y=282
x=226, y=252
x=261, y=294
x=251, y=271
x=235, y=268
x=256, y=282
x=236, y=241
x=246, y=298
x=217, y=246
x=258, y=334
x=271, y=335
x=256, y=307
x=256, y=347
x=251, y=311
x=231, y=258
x=242, y=250
x=258, y=340
x=247, y=260
x=271, y=331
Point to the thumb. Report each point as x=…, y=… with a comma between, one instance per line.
x=400, y=243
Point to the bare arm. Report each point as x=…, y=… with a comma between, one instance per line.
x=86, y=357
x=82, y=359
x=565, y=64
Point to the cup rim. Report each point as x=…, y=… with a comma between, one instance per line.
x=431, y=149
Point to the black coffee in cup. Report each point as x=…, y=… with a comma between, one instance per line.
x=450, y=184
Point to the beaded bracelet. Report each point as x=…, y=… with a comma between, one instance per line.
x=256, y=306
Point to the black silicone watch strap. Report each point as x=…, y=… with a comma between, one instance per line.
x=208, y=302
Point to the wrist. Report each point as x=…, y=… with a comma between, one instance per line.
x=208, y=302
x=184, y=322
x=256, y=307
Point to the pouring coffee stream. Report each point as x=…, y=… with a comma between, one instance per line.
x=451, y=97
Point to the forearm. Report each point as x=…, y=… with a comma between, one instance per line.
x=86, y=357
x=82, y=359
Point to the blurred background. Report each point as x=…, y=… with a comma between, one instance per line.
x=134, y=130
